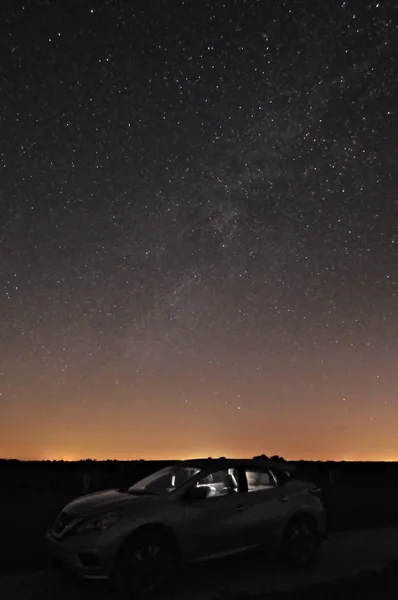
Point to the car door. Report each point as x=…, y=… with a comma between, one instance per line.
x=262, y=509
x=212, y=524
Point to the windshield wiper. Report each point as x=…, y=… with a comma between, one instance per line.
x=138, y=492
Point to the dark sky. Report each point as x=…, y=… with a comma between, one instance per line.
x=198, y=229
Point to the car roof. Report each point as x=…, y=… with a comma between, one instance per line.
x=228, y=463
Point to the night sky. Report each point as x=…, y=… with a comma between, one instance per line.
x=199, y=229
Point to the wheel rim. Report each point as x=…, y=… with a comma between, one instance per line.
x=301, y=542
x=148, y=566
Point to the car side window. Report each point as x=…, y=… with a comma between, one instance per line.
x=220, y=483
x=259, y=479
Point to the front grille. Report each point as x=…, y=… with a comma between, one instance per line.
x=63, y=522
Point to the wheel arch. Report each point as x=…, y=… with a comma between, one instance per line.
x=161, y=528
x=300, y=516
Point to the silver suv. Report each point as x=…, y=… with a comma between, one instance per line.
x=193, y=510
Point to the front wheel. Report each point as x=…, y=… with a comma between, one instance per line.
x=301, y=543
x=145, y=565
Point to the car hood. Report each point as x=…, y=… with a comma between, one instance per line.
x=105, y=501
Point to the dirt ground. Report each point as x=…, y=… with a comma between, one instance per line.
x=345, y=556
x=25, y=573
x=24, y=518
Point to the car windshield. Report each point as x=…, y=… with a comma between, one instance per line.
x=165, y=481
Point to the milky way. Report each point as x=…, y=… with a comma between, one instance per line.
x=199, y=226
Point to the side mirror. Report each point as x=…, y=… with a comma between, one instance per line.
x=284, y=478
x=198, y=493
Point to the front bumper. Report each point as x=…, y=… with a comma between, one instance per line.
x=86, y=561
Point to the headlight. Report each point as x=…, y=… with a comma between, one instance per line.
x=99, y=523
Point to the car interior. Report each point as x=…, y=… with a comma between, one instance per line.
x=220, y=483
x=260, y=479
x=225, y=481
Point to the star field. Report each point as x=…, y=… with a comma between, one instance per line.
x=198, y=229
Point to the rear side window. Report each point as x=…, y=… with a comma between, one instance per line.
x=259, y=479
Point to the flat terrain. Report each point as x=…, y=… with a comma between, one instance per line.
x=345, y=555
x=356, y=497
x=25, y=516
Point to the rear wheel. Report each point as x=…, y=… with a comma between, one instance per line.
x=145, y=565
x=301, y=543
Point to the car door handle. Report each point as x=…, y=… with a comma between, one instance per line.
x=283, y=498
x=240, y=508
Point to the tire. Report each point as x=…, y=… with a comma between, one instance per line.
x=145, y=565
x=301, y=543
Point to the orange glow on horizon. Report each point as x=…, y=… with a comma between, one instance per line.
x=58, y=455
x=201, y=260
x=71, y=430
